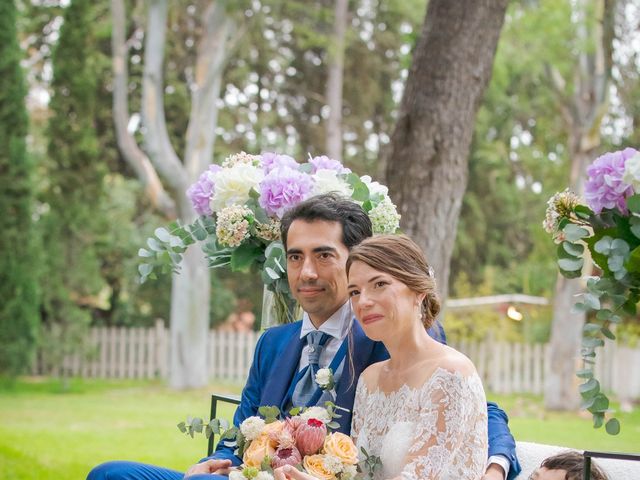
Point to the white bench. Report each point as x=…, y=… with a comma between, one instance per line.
x=531, y=456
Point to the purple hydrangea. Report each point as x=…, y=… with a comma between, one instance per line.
x=270, y=161
x=605, y=187
x=282, y=189
x=200, y=193
x=325, y=163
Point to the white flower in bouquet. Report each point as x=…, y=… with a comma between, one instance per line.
x=233, y=227
x=268, y=231
x=385, y=217
x=333, y=464
x=326, y=181
x=233, y=184
x=236, y=475
x=264, y=476
x=559, y=206
x=349, y=472
x=375, y=188
x=632, y=172
x=252, y=427
x=318, y=413
x=242, y=157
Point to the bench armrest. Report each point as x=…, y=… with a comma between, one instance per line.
x=215, y=398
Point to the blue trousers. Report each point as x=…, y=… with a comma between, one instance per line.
x=120, y=470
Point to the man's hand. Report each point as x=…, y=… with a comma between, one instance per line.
x=220, y=467
x=494, y=472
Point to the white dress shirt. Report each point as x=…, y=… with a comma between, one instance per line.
x=337, y=326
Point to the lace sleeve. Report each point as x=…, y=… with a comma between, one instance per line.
x=450, y=437
x=357, y=420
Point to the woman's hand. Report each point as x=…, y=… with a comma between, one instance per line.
x=291, y=473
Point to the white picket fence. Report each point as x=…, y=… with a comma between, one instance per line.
x=504, y=367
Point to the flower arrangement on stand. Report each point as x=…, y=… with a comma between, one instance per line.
x=609, y=227
x=303, y=440
x=240, y=205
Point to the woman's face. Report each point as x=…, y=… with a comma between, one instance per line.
x=383, y=305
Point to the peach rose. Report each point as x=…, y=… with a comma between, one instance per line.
x=341, y=446
x=273, y=430
x=258, y=449
x=314, y=465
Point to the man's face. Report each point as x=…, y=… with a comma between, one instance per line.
x=316, y=261
x=543, y=474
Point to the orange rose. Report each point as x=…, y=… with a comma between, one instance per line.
x=341, y=446
x=258, y=449
x=314, y=465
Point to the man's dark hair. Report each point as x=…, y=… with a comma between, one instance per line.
x=330, y=207
x=573, y=463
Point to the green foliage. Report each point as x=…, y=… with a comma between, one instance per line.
x=75, y=190
x=19, y=299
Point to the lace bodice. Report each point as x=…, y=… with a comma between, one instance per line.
x=437, y=431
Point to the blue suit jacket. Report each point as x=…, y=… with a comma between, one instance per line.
x=276, y=361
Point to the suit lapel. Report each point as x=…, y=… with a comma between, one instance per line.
x=284, y=368
x=360, y=354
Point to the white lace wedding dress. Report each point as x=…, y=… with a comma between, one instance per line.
x=436, y=431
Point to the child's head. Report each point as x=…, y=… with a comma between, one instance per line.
x=566, y=466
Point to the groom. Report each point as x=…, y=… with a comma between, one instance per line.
x=317, y=235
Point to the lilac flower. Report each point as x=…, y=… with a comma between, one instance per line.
x=605, y=187
x=325, y=163
x=282, y=189
x=270, y=161
x=200, y=193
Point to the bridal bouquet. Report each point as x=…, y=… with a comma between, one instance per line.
x=609, y=227
x=303, y=440
x=240, y=205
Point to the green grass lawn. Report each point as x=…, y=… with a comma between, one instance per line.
x=47, y=434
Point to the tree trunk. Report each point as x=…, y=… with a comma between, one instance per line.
x=428, y=158
x=334, y=81
x=189, y=323
x=583, y=112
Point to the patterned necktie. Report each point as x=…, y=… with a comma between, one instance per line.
x=306, y=385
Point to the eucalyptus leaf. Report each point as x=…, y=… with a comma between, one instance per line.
x=154, y=245
x=603, y=245
x=591, y=328
x=574, y=249
x=634, y=226
x=592, y=342
x=633, y=203
x=608, y=333
x=143, y=252
x=570, y=265
x=613, y=426
x=591, y=301
x=585, y=373
x=574, y=232
x=162, y=234
x=598, y=419
x=590, y=388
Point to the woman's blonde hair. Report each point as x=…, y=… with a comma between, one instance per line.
x=400, y=257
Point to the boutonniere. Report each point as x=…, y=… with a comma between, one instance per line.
x=324, y=379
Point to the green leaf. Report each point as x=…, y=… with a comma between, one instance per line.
x=603, y=245
x=633, y=203
x=143, y=252
x=271, y=273
x=613, y=426
x=582, y=211
x=591, y=328
x=585, y=373
x=579, y=307
x=573, y=249
x=598, y=419
x=590, y=388
x=243, y=256
x=573, y=232
x=633, y=262
x=592, y=342
x=634, y=226
x=154, y=245
x=608, y=333
x=182, y=427
x=591, y=301
x=333, y=425
x=162, y=234
x=567, y=274
x=145, y=269
x=604, y=314
x=570, y=265
x=360, y=192
x=600, y=404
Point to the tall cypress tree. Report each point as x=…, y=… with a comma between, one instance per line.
x=75, y=194
x=19, y=304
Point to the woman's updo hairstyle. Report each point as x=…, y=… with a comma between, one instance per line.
x=400, y=257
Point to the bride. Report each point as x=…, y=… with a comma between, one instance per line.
x=423, y=411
